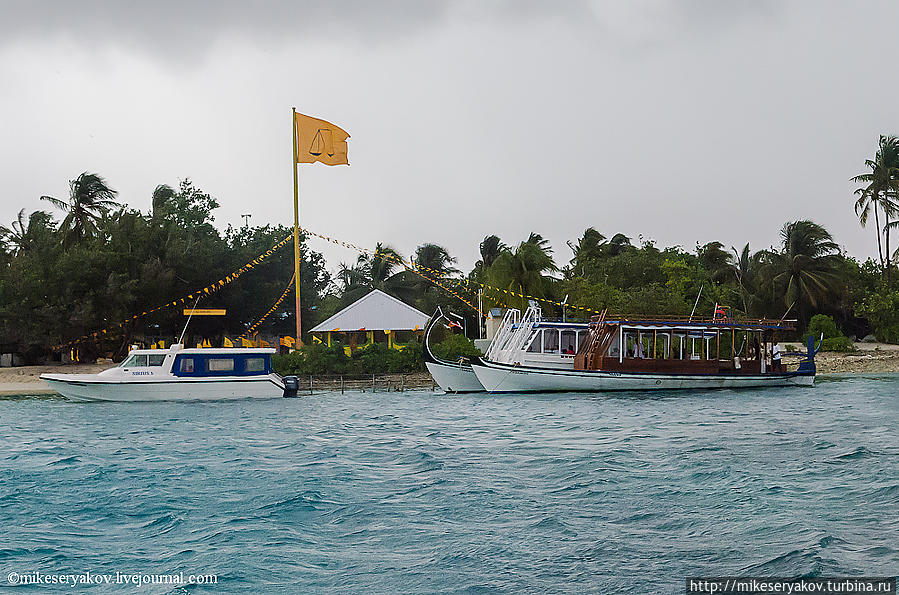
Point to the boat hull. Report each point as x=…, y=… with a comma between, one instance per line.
x=199, y=389
x=503, y=378
x=455, y=378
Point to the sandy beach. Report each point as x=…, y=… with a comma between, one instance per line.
x=869, y=358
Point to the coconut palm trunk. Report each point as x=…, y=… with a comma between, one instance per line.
x=877, y=226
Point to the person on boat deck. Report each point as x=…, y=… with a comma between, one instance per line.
x=640, y=353
x=569, y=350
x=776, y=351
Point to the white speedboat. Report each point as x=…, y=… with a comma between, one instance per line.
x=177, y=374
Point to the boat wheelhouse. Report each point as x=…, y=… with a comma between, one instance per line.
x=642, y=353
x=177, y=374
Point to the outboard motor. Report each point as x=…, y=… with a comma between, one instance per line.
x=291, y=386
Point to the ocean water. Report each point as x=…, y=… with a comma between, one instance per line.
x=419, y=493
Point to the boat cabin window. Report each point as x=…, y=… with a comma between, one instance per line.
x=220, y=364
x=536, y=343
x=255, y=364
x=155, y=359
x=187, y=365
x=569, y=342
x=550, y=341
x=135, y=361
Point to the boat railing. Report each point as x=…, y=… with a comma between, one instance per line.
x=510, y=319
x=518, y=336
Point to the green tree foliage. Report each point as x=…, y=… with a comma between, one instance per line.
x=524, y=270
x=881, y=308
x=60, y=284
x=454, y=347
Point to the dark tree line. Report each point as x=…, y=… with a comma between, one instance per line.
x=90, y=262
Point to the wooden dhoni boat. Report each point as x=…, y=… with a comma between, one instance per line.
x=660, y=353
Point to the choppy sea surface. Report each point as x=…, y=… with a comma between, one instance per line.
x=418, y=492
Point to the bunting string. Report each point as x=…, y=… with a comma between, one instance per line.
x=271, y=310
x=417, y=268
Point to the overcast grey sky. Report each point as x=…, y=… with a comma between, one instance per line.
x=682, y=121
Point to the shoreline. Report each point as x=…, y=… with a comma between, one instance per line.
x=870, y=358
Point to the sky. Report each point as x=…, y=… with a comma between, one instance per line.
x=678, y=121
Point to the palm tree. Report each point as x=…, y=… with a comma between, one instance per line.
x=161, y=199
x=617, y=244
x=18, y=236
x=13, y=238
x=523, y=271
x=744, y=265
x=588, y=248
x=383, y=269
x=89, y=199
x=804, y=271
x=490, y=250
x=434, y=260
x=880, y=193
x=715, y=260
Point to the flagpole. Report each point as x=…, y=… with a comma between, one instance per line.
x=296, y=227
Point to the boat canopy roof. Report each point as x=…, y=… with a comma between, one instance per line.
x=695, y=324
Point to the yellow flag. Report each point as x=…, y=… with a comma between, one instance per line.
x=246, y=342
x=227, y=342
x=318, y=140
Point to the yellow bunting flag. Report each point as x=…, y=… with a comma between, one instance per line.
x=319, y=140
x=288, y=341
x=227, y=342
x=246, y=343
x=316, y=340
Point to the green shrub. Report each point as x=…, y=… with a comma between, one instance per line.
x=319, y=359
x=837, y=344
x=454, y=347
x=881, y=308
x=821, y=323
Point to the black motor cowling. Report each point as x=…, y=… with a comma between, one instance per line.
x=291, y=386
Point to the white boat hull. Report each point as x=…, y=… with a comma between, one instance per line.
x=86, y=387
x=502, y=378
x=455, y=378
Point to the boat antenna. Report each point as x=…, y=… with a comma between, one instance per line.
x=181, y=338
x=696, y=303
